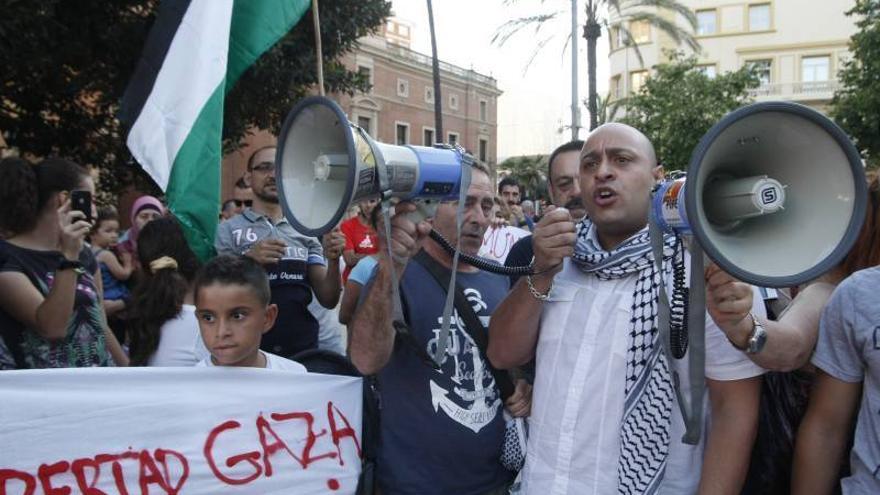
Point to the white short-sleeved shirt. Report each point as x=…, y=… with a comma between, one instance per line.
x=577, y=406
x=180, y=342
x=273, y=362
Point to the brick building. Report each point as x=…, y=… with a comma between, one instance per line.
x=399, y=108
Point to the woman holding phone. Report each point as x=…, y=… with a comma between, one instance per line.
x=50, y=287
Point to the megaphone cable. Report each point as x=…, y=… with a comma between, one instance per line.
x=480, y=263
x=678, y=327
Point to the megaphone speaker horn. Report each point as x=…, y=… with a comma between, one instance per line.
x=325, y=164
x=775, y=195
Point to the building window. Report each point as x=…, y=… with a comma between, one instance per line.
x=759, y=17
x=708, y=70
x=640, y=32
x=615, y=38
x=428, y=136
x=429, y=94
x=390, y=27
x=616, y=90
x=403, y=30
x=364, y=123
x=707, y=22
x=484, y=150
x=367, y=74
x=815, y=69
x=402, y=133
x=763, y=69
x=484, y=111
x=637, y=80
x=453, y=102
x=403, y=88
x=452, y=138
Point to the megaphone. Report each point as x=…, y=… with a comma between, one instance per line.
x=326, y=163
x=775, y=195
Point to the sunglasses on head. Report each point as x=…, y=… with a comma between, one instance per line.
x=246, y=202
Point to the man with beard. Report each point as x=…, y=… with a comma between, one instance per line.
x=441, y=428
x=511, y=193
x=562, y=176
x=295, y=264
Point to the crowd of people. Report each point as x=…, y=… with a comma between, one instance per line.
x=553, y=382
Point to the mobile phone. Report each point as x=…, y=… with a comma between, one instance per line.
x=82, y=201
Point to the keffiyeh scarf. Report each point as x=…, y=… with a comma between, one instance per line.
x=644, y=432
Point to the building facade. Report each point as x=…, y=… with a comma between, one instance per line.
x=796, y=46
x=399, y=108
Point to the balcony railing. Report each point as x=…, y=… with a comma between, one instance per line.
x=423, y=59
x=796, y=90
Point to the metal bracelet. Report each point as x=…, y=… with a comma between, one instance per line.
x=537, y=295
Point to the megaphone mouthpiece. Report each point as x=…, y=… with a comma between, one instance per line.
x=729, y=201
x=331, y=167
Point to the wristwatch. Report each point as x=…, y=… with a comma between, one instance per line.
x=76, y=266
x=758, y=337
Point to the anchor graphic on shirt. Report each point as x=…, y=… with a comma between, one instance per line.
x=475, y=418
x=482, y=398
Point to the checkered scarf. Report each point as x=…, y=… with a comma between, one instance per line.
x=644, y=432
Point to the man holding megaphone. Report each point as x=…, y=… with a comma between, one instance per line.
x=606, y=416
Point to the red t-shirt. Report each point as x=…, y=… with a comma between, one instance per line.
x=359, y=238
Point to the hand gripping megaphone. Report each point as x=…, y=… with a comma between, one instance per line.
x=775, y=195
x=326, y=164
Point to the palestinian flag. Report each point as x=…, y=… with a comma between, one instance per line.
x=196, y=51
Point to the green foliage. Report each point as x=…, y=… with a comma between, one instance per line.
x=529, y=171
x=66, y=64
x=678, y=104
x=856, y=107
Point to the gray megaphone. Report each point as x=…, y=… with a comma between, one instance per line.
x=775, y=195
x=326, y=164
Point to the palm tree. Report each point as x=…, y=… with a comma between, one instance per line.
x=599, y=14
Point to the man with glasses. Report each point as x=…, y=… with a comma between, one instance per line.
x=296, y=264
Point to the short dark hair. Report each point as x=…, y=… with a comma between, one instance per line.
x=234, y=270
x=508, y=181
x=575, y=145
x=105, y=214
x=241, y=183
x=250, y=164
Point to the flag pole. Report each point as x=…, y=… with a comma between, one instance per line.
x=318, y=51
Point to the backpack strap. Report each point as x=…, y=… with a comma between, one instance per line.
x=472, y=324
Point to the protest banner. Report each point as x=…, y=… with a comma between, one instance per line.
x=131, y=431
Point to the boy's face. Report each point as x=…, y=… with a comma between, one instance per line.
x=232, y=321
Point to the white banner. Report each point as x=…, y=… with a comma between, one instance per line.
x=130, y=431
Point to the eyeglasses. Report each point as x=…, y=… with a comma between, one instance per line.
x=264, y=168
x=246, y=202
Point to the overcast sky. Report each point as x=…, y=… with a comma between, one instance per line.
x=535, y=103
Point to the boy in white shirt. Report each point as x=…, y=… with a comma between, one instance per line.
x=232, y=306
